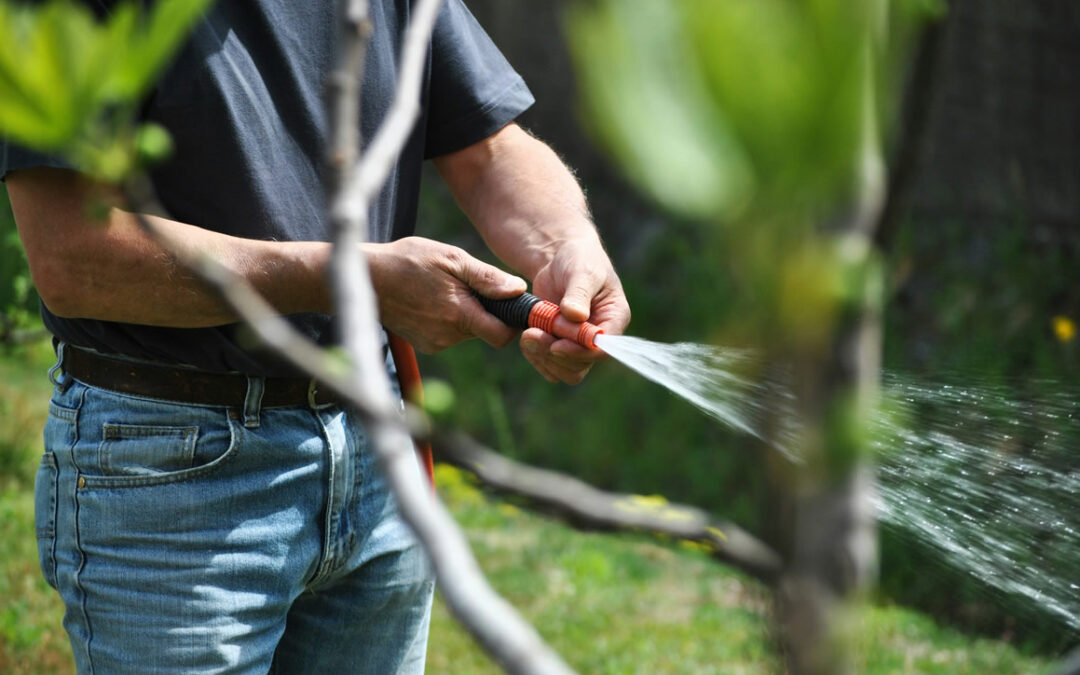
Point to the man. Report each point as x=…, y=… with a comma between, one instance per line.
x=198, y=508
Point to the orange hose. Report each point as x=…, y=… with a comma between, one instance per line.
x=412, y=389
x=547, y=317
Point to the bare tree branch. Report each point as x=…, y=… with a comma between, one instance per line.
x=495, y=623
x=382, y=152
x=362, y=381
x=355, y=298
x=584, y=505
x=482, y=612
x=833, y=539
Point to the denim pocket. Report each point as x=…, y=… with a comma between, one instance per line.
x=45, y=489
x=146, y=450
x=131, y=454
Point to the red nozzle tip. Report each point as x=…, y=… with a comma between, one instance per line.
x=586, y=336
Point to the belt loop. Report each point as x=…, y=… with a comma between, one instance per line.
x=313, y=394
x=253, y=401
x=60, y=379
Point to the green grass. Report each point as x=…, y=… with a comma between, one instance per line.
x=632, y=604
x=32, y=640
x=608, y=603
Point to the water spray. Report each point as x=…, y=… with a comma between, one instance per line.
x=529, y=311
x=706, y=376
x=1003, y=516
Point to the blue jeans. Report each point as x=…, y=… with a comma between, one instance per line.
x=199, y=539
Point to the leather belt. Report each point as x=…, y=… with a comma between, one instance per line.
x=187, y=385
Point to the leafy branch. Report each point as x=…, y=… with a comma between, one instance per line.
x=70, y=84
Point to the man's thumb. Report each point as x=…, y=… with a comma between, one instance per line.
x=576, y=303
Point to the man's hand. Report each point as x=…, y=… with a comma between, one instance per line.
x=532, y=214
x=581, y=280
x=425, y=292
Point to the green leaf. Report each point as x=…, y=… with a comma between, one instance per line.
x=153, y=143
x=118, y=37
x=32, y=106
x=717, y=105
x=438, y=397
x=70, y=84
x=646, y=101
x=167, y=27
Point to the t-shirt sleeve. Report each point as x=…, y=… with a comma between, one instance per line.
x=473, y=90
x=14, y=157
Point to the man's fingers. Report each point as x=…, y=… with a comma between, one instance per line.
x=488, y=280
x=475, y=320
x=536, y=345
x=542, y=351
x=570, y=352
x=569, y=375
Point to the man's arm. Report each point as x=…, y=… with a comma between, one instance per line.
x=523, y=200
x=532, y=214
x=91, y=259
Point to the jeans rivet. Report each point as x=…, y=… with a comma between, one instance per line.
x=82, y=482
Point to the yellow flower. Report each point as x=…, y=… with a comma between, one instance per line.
x=1064, y=328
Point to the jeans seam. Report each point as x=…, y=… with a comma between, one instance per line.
x=49, y=534
x=77, y=580
x=328, y=562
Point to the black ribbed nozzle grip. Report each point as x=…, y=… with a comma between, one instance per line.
x=511, y=311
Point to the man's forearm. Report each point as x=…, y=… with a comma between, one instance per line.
x=145, y=283
x=109, y=268
x=520, y=196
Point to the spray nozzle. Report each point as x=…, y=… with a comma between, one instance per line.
x=529, y=311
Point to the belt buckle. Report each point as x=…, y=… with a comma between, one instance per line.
x=312, y=392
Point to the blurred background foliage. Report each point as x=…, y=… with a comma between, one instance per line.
x=18, y=299
x=106, y=64
x=980, y=246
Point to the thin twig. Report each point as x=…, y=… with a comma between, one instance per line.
x=498, y=627
x=481, y=611
x=493, y=621
x=354, y=297
x=585, y=506
x=258, y=314
x=382, y=152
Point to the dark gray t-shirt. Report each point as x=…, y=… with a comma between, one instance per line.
x=244, y=102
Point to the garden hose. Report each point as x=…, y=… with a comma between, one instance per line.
x=412, y=390
x=529, y=311
x=523, y=311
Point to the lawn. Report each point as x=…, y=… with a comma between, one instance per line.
x=608, y=603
